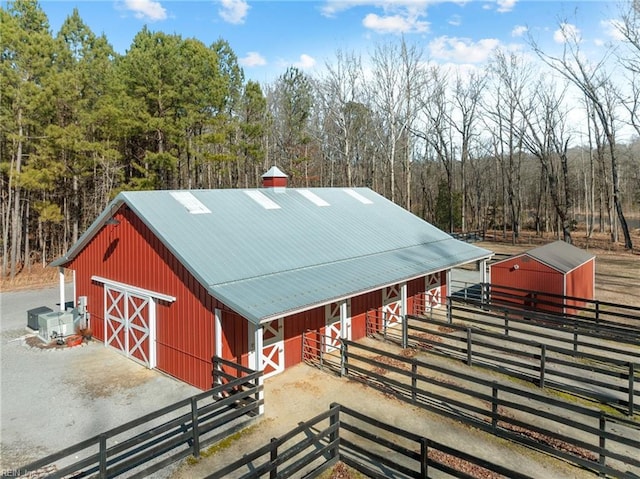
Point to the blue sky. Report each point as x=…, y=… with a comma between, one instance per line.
x=268, y=36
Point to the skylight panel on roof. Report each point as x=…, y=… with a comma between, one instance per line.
x=190, y=202
x=358, y=196
x=311, y=196
x=264, y=201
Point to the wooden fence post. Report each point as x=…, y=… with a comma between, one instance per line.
x=195, y=427
x=494, y=408
x=424, y=458
x=334, y=420
x=273, y=456
x=543, y=363
x=405, y=332
x=602, y=458
x=469, y=352
x=414, y=380
x=103, y=456
x=631, y=386
x=506, y=322
x=344, y=367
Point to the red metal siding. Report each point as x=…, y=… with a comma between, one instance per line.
x=359, y=307
x=129, y=253
x=526, y=273
x=580, y=284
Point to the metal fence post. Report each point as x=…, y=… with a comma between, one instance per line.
x=543, y=363
x=195, y=428
x=575, y=338
x=322, y=346
x=469, y=353
x=449, y=310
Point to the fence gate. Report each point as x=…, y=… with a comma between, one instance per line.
x=433, y=294
x=337, y=324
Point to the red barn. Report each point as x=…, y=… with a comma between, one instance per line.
x=557, y=268
x=170, y=278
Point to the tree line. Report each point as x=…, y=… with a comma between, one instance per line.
x=494, y=148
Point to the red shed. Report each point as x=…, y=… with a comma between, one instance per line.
x=557, y=268
x=170, y=278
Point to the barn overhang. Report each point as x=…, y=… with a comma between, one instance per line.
x=262, y=299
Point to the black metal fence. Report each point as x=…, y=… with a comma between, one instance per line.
x=150, y=443
x=583, y=436
x=372, y=447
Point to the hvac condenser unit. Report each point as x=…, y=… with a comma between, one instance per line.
x=55, y=325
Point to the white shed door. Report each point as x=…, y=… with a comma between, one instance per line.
x=392, y=305
x=128, y=324
x=272, y=348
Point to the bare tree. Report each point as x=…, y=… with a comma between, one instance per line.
x=504, y=121
x=594, y=82
x=467, y=98
x=396, y=83
x=545, y=136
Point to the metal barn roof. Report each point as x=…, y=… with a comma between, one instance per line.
x=269, y=252
x=561, y=256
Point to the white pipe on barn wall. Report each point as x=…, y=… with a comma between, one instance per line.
x=61, y=285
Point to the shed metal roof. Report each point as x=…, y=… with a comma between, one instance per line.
x=268, y=252
x=561, y=256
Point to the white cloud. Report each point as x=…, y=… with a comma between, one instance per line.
x=332, y=7
x=233, y=11
x=394, y=24
x=613, y=29
x=146, y=9
x=519, y=30
x=462, y=50
x=305, y=62
x=567, y=32
x=506, y=5
x=252, y=59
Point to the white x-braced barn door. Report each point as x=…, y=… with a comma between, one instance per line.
x=272, y=348
x=337, y=323
x=129, y=324
x=433, y=292
x=392, y=305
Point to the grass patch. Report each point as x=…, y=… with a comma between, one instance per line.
x=224, y=443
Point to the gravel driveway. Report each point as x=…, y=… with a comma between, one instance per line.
x=53, y=398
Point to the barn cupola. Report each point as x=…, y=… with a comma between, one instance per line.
x=274, y=179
